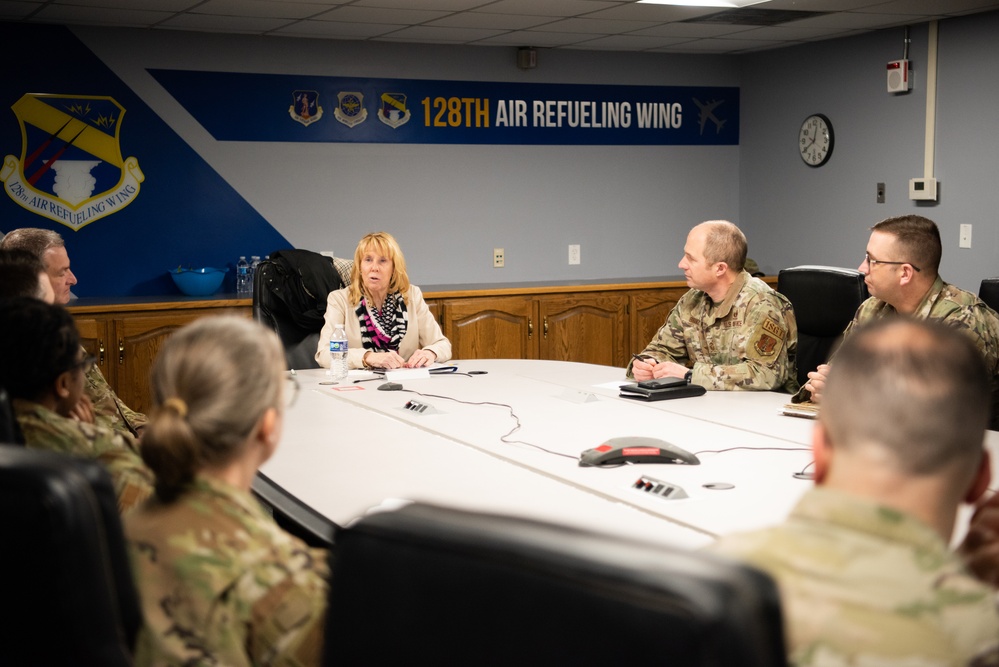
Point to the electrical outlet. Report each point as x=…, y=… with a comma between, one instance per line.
x=965, y=240
x=499, y=259
x=574, y=254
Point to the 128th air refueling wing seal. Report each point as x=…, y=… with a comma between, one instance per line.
x=71, y=169
x=768, y=338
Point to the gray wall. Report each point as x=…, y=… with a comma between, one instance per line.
x=795, y=214
x=449, y=206
x=628, y=207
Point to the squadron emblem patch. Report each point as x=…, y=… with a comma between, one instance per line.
x=393, y=111
x=768, y=339
x=70, y=169
x=350, y=109
x=305, y=107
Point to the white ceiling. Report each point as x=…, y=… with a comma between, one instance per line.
x=609, y=25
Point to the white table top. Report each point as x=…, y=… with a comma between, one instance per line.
x=346, y=448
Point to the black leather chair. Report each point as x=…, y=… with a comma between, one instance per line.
x=10, y=432
x=293, y=515
x=289, y=296
x=69, y=597
x=989, y=292
x=825, y=299
x=428, y=585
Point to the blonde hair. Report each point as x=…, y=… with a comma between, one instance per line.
x=384, y=244
x=212, y=382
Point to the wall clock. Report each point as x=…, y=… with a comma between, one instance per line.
x=815, y=140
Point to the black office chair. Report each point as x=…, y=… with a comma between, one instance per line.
x=428, y=585
x=289, y=296
x=825, y=300
x=10, y=432
x=69, y=598
x=293, y=515
x=989, y=292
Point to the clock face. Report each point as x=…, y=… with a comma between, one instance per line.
x=815, y=140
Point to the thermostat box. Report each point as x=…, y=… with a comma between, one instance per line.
x=923, y=189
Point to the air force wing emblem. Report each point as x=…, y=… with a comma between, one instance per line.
x=305, y=107
x=70, y=169
x=350, y=109
x=393, y=111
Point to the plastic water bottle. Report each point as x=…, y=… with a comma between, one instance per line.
x=338, y=354
x=254, y=263
x=243, y=277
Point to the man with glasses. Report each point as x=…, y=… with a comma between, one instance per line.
x=900, y=269
x=44, y=369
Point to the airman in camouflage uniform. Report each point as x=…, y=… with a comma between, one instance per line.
x=109, y=410
x=748, y=341
x=45, y=429
x=221, y=584
x=859, y=578
x=865, y=573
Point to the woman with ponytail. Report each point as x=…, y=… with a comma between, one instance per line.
x=220, y=582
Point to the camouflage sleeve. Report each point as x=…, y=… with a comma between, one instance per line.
x=668, y=343
x=133, y=481
x=109, y=410
x=288, y=620
x=759, y=355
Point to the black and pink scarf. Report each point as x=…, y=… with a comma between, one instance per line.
x=383, y=329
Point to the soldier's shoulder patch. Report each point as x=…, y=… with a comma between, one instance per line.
x=768, y=338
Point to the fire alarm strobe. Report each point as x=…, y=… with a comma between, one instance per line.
x=899, y=80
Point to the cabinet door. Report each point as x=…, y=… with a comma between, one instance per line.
x=591, y=328
x=503, y=327
x=97, y=339
x=138, y=338
x=649, y=310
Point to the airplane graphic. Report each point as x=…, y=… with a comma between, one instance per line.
x=707, y=113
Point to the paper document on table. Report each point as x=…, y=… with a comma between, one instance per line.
x=806, y=410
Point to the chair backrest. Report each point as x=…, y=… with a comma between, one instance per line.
x=445, y=587
x=289, y=296
x=825, y=300
x=70, y=598
x=10, y=432
x=989, y=292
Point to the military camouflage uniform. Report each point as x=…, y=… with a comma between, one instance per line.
x=222, y=584
x=109, y=410
x=955, y=307
x=863, y=584
x=748, y=341
x=44, y=429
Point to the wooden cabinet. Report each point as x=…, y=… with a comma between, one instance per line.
x=591, y=328
x=126, y=337
x=497, y=327
x=649, y=309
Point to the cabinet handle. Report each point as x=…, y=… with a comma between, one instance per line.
x=100, y=351
x=546, y=328
x=121, y=350
x=530, y=328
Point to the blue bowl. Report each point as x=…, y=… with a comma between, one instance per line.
x=198, y=282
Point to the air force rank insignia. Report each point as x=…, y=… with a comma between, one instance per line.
x=350, y=109
x=70, y=169
x=393, y=111
x=305, y=107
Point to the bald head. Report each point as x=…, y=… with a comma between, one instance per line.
x=916, y=393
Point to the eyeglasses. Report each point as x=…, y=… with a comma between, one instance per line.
x=874, y=262
x=87, y=364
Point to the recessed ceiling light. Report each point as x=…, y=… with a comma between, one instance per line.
x=704, y=3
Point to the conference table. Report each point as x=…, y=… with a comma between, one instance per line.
x=505, y=436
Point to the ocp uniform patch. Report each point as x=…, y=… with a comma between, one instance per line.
x=768, y=338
